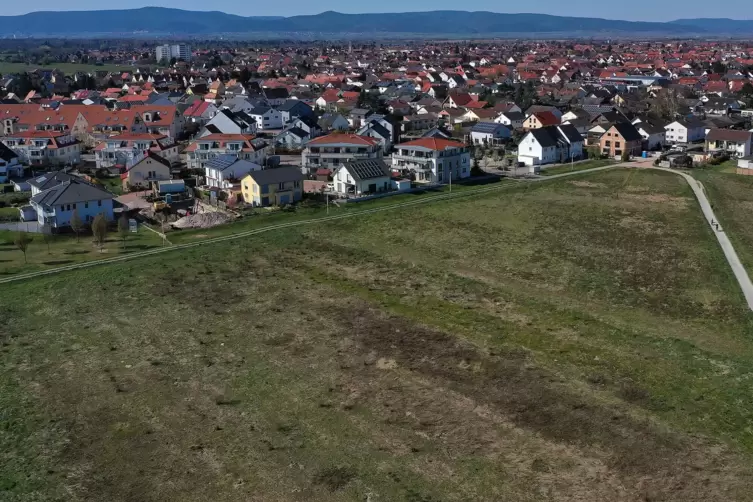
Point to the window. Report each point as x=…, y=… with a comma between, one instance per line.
x=282, y=186
x=99, y=203
x=616, y=144
x=74, y=206
x=86, y=205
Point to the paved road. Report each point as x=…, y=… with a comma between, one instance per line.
x=729, y=251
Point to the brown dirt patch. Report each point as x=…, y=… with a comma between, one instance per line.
x=654, y=198
x=649, y=461
x=587, y=184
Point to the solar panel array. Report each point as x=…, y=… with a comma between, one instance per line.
x=222, y=162
x=487, y=127
x=367, y=169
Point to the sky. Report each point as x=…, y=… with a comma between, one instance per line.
x=638, y=10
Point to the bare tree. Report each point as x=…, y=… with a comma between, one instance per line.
x=22, y=241
x=99, y=229
x=47, y=236
x=77, y=225
x=123, y=228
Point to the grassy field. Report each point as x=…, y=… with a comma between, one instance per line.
x=578, y=166
x=574, y=340
x=67, y=68
x=66, y=249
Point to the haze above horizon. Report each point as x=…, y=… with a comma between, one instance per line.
x=641, y=10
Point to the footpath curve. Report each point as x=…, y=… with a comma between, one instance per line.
x=729, y=251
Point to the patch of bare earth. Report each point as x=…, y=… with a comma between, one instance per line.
x=503, y=408
x=586, y=184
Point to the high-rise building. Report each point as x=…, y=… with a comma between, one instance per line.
x=177, y=51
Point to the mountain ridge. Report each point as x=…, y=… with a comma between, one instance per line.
x=161, y=20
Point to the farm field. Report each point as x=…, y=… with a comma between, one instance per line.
x=581, y=339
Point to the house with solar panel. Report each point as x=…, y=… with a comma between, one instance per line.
x=227, y=170
x=489, y=134
x=362, y=177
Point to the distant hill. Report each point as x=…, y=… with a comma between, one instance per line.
x=160, y=21
x=721, y=26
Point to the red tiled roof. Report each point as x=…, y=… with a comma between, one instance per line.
x=352, y=139
x=437, y=144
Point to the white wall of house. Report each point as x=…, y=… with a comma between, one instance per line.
x=87, y=210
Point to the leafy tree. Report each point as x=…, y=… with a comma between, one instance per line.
x=22, y=241
x=625, y=156
x=747, y=89
x=77, y=225
x=718, y=67
x=123, y=228
x=99, y=229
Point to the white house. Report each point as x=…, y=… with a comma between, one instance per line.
x=266, y=118
x=44, y=148
x=654, y=137
x=9, y=166
x=736, y=143
x=362, y=177
x=489, y=133
x=433, y=160
x=227, y=122
x=55, y=205
x=548, y=145
x=513, y=120
x=681, y=131
x=223, y=171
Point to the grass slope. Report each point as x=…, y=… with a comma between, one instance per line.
x=576, y=340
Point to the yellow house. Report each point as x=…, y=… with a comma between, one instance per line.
x=273, y=187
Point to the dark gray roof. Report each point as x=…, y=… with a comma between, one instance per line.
x=627, y=131
x=6, y=153
x=570, y=132
x=649, y=128
x=544, y=136
x=377, y=128
x=514, y=115
x=295, y=131
x=367, y=169
x=275, y=93
x=49, y=180
x=276, y=175
x=71, y=192
x=486, y=127
x=291, y=104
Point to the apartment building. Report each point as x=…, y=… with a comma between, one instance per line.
x=332, y=150
x=44, y=148
x=433, y=160
x=128, y=149
x=209, y=147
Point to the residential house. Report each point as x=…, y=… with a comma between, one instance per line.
x=540, y=119
x=433, y=160
x=275, y=96
x=150, y=168
x=358, y=116
x=513, y=120
x=273, y=187
x=551, y=144
x=200, y=112
x=621, y=137
x=732, y=142
x=544, y=109
x=654, y=136
x=44, y=148
x=333, y=122
x=9, y=165
x=375, y=129
x=362, y=177
x=266, y=118
x=334, y=149
x=229, y=122
x=206, y=148
x=56, y=205
x=681, y=131
x=225, y=171
x=293, y=138
x=294, y=108
x=418, y=122
x=161, y=119
x=127, y=149
x=489, y=134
